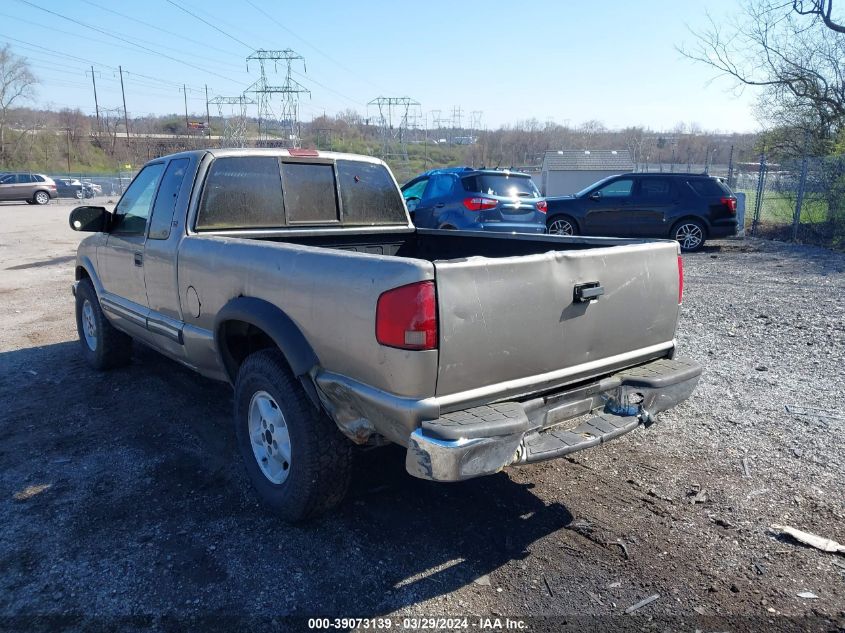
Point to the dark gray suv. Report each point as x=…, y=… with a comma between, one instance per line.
x=471, y=199
x=29, y=188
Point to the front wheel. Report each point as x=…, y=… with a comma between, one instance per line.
x=296, y=458
x=41, y=197
x=561, y=225
x=690, y=234
x=103, y=346
x=79, y=194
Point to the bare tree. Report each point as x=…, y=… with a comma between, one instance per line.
x=821, y=8
x=793, y=51
x=16, y=83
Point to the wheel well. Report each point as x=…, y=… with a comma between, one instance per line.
x=239, y=339
x=686, y=218
x=81, y=273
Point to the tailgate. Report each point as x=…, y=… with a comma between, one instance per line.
x=512, y=325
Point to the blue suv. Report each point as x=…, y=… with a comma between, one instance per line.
x=471, y=199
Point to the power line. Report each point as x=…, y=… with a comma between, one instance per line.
x=127, y=40
x=309, y=79
x=299, y=37
x=232, y=37
x=181, y=36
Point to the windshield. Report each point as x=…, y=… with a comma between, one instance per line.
x=504, y=185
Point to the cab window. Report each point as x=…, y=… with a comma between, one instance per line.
x=131, y=213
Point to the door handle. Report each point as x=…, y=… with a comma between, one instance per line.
x=139, y=259
x=585, y=293
x=439, y=205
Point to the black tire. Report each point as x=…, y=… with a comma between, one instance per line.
x=41, y=197
x=320, y=455
x=79, y=194
x=556, y=224
x=690, y=234
x=112, y=348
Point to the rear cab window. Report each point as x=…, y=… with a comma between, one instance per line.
x=269, y=192
x=504, y=185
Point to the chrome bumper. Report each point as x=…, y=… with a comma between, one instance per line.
x=484, y=440
x=456, y=460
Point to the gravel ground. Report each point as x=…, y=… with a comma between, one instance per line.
x=121, y=494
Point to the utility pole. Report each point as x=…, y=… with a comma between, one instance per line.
x=187, y=126
x=125, y=115
x=731, y=168
x=96, y=102
x=68, y=150
x=207, y=113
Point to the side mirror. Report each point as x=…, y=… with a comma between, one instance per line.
x=596, y=195
x=90, y=219
x=412, y=203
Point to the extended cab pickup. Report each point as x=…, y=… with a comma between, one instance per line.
x=298, y=277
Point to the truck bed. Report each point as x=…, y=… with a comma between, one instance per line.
x=509, y=322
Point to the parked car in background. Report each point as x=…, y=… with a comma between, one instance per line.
x=689, y=208
x=92, y=189
x=471, y=199
x=70, y=188
x=26, y=187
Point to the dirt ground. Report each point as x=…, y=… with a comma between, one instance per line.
x=122, y=496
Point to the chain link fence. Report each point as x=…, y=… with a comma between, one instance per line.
x=799, y=200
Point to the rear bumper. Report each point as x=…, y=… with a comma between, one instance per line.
x=483, y=440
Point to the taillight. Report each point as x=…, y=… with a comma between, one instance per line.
x=680, y=280
x=479, y=204
x=730, y=203
x=542, y=206
x=406, y=317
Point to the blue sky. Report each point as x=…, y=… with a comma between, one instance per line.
x=567, y=61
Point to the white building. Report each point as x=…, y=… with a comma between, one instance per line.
x=568, y=171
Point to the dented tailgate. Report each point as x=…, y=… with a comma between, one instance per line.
x=514, y=325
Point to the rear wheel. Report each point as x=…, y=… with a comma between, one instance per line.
x=79, y=194
x=296, y=458
x=41, y=197
x=690, y=234
x=561, y=225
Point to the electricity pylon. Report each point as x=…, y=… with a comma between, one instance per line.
x=395, y=115
x=284, y=128
x=234, y=120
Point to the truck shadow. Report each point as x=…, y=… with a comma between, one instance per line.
x=137, y=469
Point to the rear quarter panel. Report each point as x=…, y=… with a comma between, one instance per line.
x=330, y=294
